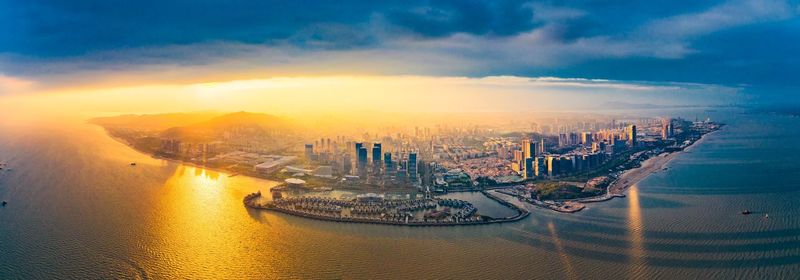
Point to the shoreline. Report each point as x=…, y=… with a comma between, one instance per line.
x=632, y=176
x=187, y=163
x=617, y=188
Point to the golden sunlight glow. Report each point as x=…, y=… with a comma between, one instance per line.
x=636, y=230
x=194, y=226
x=570, y=271
x=314, y=94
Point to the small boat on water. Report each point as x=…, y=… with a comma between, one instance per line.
x=766, y=216
x=4, y=203
x=746, y=212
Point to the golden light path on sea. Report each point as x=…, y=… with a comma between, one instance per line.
x=569, y=270
x=636, y=231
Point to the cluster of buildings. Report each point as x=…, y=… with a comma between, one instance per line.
x=177, y=148
x=584, y=151
x=458, y=158
x=369, y=163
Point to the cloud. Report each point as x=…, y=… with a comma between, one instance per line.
x=13, y=85
x=63, y=42
x=727, y=15
x=443, y=18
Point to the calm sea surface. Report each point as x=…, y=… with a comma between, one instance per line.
x=78, y=210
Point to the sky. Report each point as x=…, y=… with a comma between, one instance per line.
x=581, y=53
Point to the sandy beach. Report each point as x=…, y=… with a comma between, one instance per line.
x=649, y=166
x=635, y=175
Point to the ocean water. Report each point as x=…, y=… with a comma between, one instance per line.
x=77, y=209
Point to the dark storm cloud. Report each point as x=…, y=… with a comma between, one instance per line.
x=63, y=28
x=714, y=41
x=442, y=18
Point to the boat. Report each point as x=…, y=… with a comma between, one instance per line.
x=4, y=203
x=766, y=216
x=746, y=212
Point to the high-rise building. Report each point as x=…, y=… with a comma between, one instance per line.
x=529, y=168
x=552, y=166
x=564, y=165
x=562, y=140
x=586, y=139
x=529, y=149
x=361, y=162
x=426, y=172
x=309, y=151
x=412, y=167
x=541, y=146
x=171, y=146
x=573, y=138
x=346, y=163
x=666, y=129
x=328, y=145
x=632, y=135
x=387, y=164
x=376, y=158
x=519, y=156
x=357, y=147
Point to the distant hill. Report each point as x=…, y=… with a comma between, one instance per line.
x=155, y=122
x=242, y=122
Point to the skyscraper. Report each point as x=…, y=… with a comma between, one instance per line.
x=541, y=146
x=358, y=147
x=529, y=149
x=666, y=129
x=362, y=162
x=387, y=164
x=586, y=139
x=529, y=168
x=376, y=158
x=412, y=167
x=309, y=151
x=670, y=129
x=632, y=135
x=552, y=166
x=347, y=163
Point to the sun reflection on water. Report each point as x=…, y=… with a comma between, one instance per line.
x=636, y=231
x=569, y=270
x=198, y=221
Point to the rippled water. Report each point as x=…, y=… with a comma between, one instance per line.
x=78, y=210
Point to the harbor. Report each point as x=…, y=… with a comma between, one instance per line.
x=372, y=208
